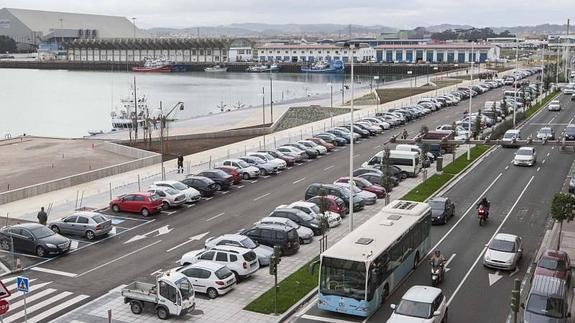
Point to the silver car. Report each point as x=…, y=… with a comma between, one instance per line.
x=87, y=224
x=369, y=197
x=503, y=252
x=264, y=253
x=266, y=168
x=170, y=197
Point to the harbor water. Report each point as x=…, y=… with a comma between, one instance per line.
x=62, y=103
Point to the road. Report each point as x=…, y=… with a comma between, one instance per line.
x=519, y=197
x=147, y=246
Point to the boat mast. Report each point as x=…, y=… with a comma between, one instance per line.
x=135, y=112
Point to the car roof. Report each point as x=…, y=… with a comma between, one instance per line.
x=439, y=199
x=204, y=264
x=423, y=294
x=229, y=236
x=169, y=182
x=526, y=148
x=273, y=226
x=302, y=203
x=505, y=237
x=548, y=286
x=557, y=254
x=87, y=213
x=233, y=249
x=512, y=131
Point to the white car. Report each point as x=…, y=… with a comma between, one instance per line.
x=445, y=127
x=333, y=219
x=310, y=144
x=192, y=195
x=305, y=234
x=383, y=124
x=555, y=105
x=264, y=253
x=294, y=151
x=420, y=304
x=525, y=156
x=210, y=278
x=241, y=261
x=279, y=163
x=503, y=252
x=170, y=197
x=246, y=170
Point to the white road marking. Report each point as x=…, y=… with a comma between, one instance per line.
x=329, y=167
x=543, y=162
x=10, y=279
x=494, y=278
x=266, y=176
x=58, y=308
x=157, y=272
x=507, y=167
x=538, y=168
x=207, y=198
x=215, y=216
x=261, y=196
x=225, y=192
x=240, y=186
x=37, y=306
x=356, y=155
x=448, y=262
x=55, y=272
x=322, y=319
x=30, y=299
x=194, y=238
x=119, y=258
x=254, y=181
x=493, y=236
x=548, y=154
x=514, y=272
x=299, y=180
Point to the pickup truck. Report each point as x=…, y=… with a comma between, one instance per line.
x=442, y=135
x=172, y=294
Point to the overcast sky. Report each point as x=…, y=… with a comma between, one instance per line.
x=394, y=13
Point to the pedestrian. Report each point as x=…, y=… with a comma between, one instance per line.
x=42, y=216
x=404, y=135
x=181, y=164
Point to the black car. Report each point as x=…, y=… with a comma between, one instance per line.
x=358, y=130
x=570, y=132
x=202, y=184
x=332, y=139
x=335, y=190
x=341, y=134
x=275, y=235
x=442, y=209
x=299, y=217
x=33, y=238
x=222, y=179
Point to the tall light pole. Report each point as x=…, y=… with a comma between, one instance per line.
x=271, y=98
x=134, y=25
x=542, y=69
x=410, y=83
x=330, y=94
x=469, y=108
x=435, y=68
x=351, y=182
x=263, y=113
x=515, y=83
x=163, y=123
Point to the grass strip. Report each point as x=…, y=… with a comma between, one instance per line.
x=290, y=290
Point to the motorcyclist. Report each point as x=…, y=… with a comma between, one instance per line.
x=437, y=259
x=485, y=204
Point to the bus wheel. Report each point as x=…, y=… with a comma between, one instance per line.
x=385, y=293
x=416, y=260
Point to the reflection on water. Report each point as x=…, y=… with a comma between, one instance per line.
x=69, y=103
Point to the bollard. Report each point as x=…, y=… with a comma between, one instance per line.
x=275, y=145
x=110, y=191
x=139, y=184
x=210, y=163
x=439, y=165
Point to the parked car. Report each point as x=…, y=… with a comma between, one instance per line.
x=510, y=136
x=246, y=170
x=241, y=261
x=222, y=179
x=342, y=134
x=503, y=252
x=263, y=252
x=380, y=179
x=548, y=301
x=33, y=238
x=266, y=168
x=525, y=156
x=85, y=224
x=202, y=184
x=322, y=142
x=555, y=105
x=570, y=132
x=233, y=171
x=299, y=154
x=343, y=193
x=298, y=217
x=277, y=162
x=192, y=195
x=169, y=196
x=321, y=150
x=365, y=185
x=275, y=235
x=333, y=218
x=331, y=202
x=305, y=234
x=332, y=139
x=442, y=209
x=289, y=159
x=554, y=263
x=211, y=278
x=143, y=203
x=311, y=153
x=420, y=304
x=369, y=198
x=546, y=133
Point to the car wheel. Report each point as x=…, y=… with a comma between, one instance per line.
x=5, y=245
x=40, y=251
x=136, y=307
x=90, y=235
x=218, y=187
x=264, y=172
x=212, y=293
x=162, y=313
x=55, y=229
x=445, y=316
x=115, y=208
x=246, y=176
x=237, y=277
x=403, y=175
x=145, y=212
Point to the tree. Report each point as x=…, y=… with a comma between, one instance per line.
x=386, y=181
x=562, y=208
x=7, y=44
x=476, y=124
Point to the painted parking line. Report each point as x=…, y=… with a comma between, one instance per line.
x=240, y=186
x=254, y=181
x=329, y=167
x=207, y=198
x=52, y=271
x=266, y=176
x=299, y=180
x=261, y=197
x=215, y=216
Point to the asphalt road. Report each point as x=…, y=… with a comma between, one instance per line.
x=149, y=246
x=519, y=199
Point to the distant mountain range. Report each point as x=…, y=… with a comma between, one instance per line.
x=258, y=30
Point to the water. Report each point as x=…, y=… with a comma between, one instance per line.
x=63, y=103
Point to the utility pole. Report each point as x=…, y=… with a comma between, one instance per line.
x=271, y=98
x=135, y=112
x=567, y=52
x=351, y=182
x=162, y=121
x=515, y=83
x=469, y=109
x=515, y=299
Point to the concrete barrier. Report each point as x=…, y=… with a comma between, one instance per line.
x=211, y=135
x=127, y=151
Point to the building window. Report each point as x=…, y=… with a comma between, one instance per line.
x=294, y=52
x=209, y=52
x=269, y=52
x=337, y=51
x=302, y=52
x=201, y=52
x=319, y=51
x=328, y=51
x=277, y=52
x=261, y=52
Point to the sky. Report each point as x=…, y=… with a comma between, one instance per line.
x=393, y=13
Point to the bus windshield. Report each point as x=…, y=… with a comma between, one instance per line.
x=343, y=278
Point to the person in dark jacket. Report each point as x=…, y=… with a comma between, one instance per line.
x=181, y=164
x=42, y=216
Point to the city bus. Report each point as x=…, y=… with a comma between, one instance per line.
x=358, y=272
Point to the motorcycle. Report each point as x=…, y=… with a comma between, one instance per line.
x=436, y=273
x=482, y=214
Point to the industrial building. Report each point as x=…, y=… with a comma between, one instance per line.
x=48, y=30
x=309, y=53
x=437, y=53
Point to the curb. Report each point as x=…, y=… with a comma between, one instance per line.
x=292, y=310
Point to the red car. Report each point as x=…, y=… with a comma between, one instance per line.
x=554, y=263
x=143, y=203
x=334, y=203
x=232, y=171
x=322, y=142
x=364, y=184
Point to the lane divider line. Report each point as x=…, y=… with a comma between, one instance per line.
x=299, y=180
x=215, y=216
x=261, y=196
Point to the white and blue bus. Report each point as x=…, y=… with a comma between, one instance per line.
x=362, y=269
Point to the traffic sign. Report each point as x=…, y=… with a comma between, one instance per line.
x=23, y=284
x=4, y=306
x=4, y=292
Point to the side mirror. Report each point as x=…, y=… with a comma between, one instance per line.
x=393, y=306
x=520, y=250
x=436, y=313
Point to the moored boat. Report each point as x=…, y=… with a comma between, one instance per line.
x=325, y=67
x=154, y=66
x=216, y=69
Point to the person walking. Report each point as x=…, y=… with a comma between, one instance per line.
x=404, y=135
x=181, y=164
x=42, y=216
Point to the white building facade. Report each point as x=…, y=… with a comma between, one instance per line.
x=436, y=53
x=309, y=53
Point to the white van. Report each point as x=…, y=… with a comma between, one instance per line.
x=509, y=136
x=408, y=161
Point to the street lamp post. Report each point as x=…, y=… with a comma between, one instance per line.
x=410, y=83
x=351, y=183
x=469, y=108
x=515, y=83
x=435, y=68
x=271, y=98
x=163, y=123
x=263, y=113
x=330, y=94
x=376, y=95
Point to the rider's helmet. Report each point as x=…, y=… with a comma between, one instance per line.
x=437, y=253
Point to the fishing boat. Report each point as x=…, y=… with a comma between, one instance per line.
x=160, y=65
x=260, y=68
x=216, y=69
x=325, y=67
x=95, y=132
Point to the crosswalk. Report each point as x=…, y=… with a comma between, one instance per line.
x=41, y=302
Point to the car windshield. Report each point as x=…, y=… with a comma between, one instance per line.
x=248, y=243
x=180, y=186
x=99, y=218
x=545, y=130
x=414, y=309
x=548, y=306
x=524, y=152
x=42, y=232
x=242, y=163
x=508, y=135
x=551, y=264
x=315, y=209
x=249, y=256
x=343, y=278
x=223, y=273
x=436, y=205
x=502, y=245
x=570, y=130
x=171, y=191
